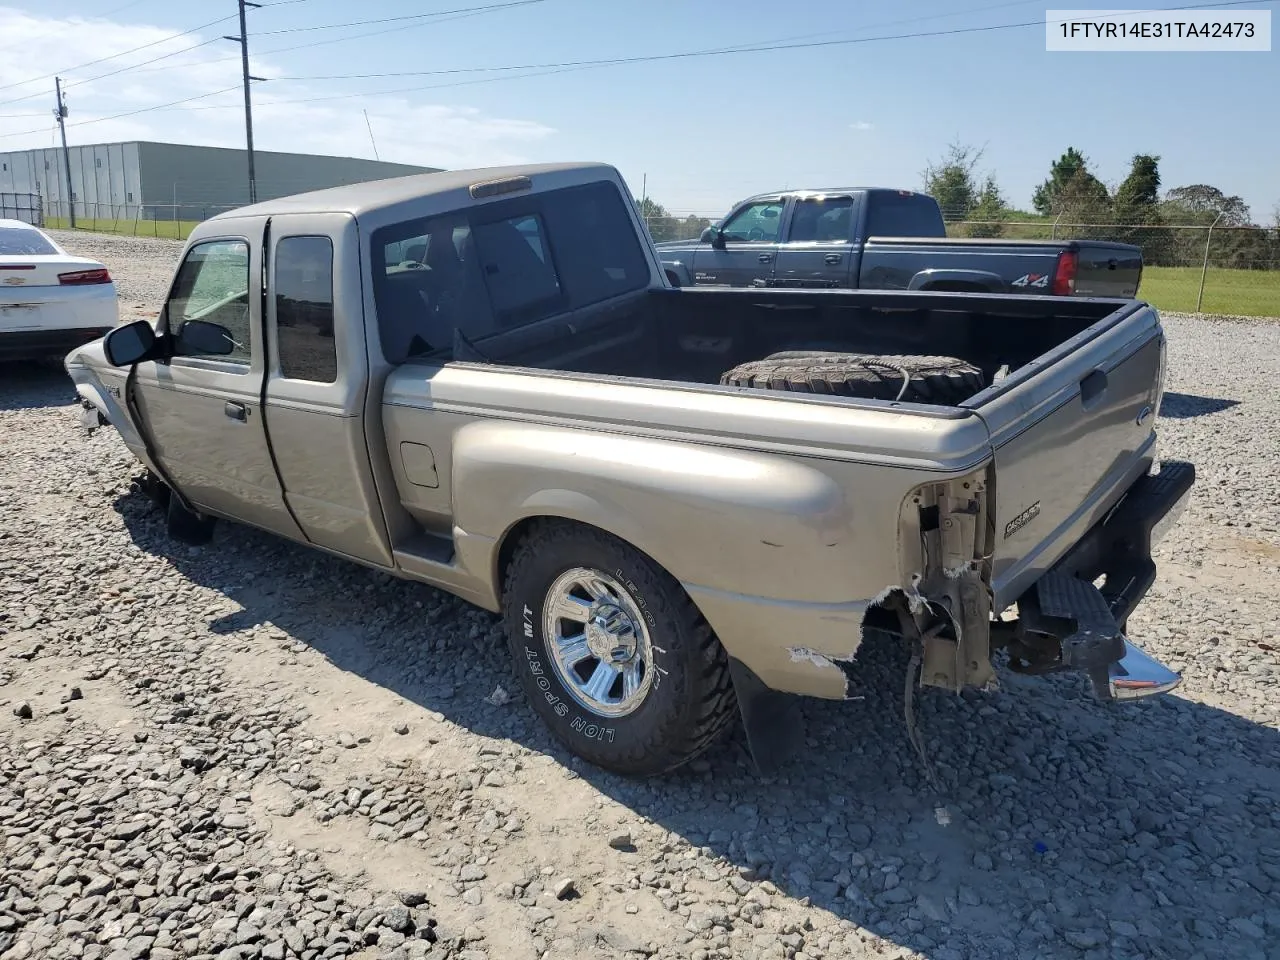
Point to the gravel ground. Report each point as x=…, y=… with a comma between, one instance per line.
x=252, y=750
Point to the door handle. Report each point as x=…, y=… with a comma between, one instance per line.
x=765, y=257
x=832, y=258
x=1092, y=389
x=236, y=410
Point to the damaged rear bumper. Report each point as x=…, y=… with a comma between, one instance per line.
x=1066, y=622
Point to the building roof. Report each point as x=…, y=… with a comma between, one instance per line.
x=360, y=198
x=240, y=150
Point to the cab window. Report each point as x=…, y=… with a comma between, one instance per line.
x=303, y=291
x=755, y=223
x=213, y=285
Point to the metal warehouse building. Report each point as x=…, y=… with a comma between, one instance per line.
x=142, y=180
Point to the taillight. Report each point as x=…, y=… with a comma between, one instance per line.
x=1064, y=279
x=79, y=277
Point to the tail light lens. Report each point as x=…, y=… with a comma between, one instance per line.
x=1064, y=279
x=81, y=277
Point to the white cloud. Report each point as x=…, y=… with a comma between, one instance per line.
x=409, y=127
x=862, y=125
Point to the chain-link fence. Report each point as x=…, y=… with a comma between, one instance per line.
x=173, y=221
x=1198, y=268
x=1187, y=268
x=22, y=206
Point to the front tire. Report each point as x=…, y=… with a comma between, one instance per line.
x=612, y=653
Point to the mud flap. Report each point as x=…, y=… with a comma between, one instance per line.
x=772, y=720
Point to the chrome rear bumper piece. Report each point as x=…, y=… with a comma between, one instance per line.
x=1136, y=675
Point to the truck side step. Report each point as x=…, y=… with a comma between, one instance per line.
x=1076, y=613
x=431, y=547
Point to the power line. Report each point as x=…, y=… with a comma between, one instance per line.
x=112, y=73
x=762, y=47
x=116, y=56
x=443, y=16
x=408, y=16
x=120, y=9
x=567, y=66
x=133, y=113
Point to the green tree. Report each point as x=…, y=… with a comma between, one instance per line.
x=953, y=183
x=1070, y=187
x=1200, y=203
x=662, y=225
x=1137, y=207
x=1235, y=242
x=1137, y=196
x=691, y=227
x=989, y=211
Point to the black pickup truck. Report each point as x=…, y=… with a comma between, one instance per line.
x=883, y=239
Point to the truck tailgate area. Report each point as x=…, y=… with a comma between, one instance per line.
x=1071, y=432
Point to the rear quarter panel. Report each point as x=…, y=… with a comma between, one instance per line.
x=891, y=266
x=752, y=502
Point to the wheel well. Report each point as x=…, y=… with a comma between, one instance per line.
x=507, y=548
x=673, y=278
x=518, y=530
x=957, y=286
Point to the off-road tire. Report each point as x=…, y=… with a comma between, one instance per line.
x=937, y=380
x=154, y=489
x=691, y=701
x=186, y=527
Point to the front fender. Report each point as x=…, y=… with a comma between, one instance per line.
x=728, y=520
x=106, y=398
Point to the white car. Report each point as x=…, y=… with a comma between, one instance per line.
x=50, y=301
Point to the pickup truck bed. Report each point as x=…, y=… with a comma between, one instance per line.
x=628, y=357
x=479, y=380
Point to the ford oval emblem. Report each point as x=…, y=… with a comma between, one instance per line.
x=1144, y=416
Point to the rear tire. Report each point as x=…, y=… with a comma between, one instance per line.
x=682, y=699
x=937, y=380
x=186, y=527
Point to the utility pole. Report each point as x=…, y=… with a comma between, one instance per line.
x=61, y=114
x=243, y=40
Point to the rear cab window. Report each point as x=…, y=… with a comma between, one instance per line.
x=895, y=213
x=502, y=265
x=821, y=220
x=304, y=309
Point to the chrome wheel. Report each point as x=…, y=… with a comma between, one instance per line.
x=598, y=642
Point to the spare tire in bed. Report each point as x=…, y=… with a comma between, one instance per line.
x=939, y=380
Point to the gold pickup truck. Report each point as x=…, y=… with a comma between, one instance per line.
x=686, y=504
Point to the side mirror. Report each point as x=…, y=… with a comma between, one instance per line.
x=713, y=236
x=125, y=346
x=204, y=339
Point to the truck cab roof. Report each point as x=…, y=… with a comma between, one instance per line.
x=824, y=192
x=358, y=199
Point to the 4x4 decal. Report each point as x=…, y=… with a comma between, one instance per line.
x=1031, y=280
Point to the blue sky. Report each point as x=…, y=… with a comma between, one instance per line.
x=705, y=131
